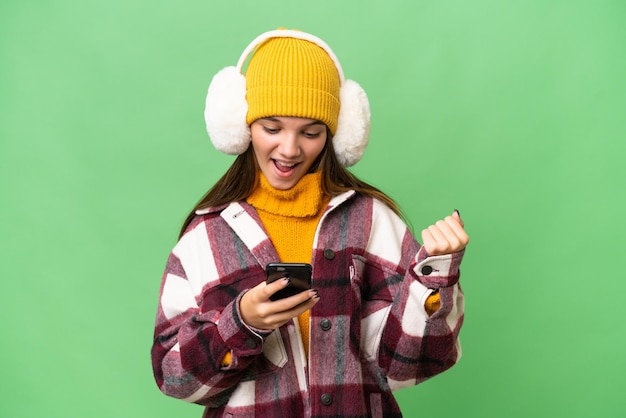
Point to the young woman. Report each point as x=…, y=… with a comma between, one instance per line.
x=384, y=312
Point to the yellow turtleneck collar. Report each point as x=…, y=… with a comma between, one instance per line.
x=303, y=200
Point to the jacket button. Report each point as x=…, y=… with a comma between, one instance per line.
x=325, y=324
x=327, y=399
x=250, y=343
x=426, y=270
x=329, y=254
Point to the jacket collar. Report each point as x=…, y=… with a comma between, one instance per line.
x=339, y=199
x=245, y=222
x=334, y=202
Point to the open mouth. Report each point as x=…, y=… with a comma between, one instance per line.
x=284, y=167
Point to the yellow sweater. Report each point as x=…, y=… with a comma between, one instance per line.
x=290, y=218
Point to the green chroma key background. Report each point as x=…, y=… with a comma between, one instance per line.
x=511, y=111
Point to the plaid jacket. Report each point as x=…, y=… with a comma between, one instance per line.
x=369, y=332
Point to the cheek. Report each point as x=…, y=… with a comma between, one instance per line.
x=318, y=148
x=260, y=144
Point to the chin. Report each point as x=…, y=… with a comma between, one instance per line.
x=284, y=186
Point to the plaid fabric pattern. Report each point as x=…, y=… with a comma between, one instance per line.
x=369, y=333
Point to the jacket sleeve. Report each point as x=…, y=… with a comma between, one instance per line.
x=414, y=345
x=190, y=340
x=431, y=341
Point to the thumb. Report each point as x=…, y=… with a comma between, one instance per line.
x=457, y=215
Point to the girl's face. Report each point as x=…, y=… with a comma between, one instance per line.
x=286, y=147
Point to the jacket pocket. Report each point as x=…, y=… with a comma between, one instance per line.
x=369, y=283
x=274, y=349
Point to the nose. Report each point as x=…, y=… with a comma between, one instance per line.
x=289, y=146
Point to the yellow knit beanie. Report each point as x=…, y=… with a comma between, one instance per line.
x=292, y=77
x=290, y=73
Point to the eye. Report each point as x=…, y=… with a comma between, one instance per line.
x=270, y=130
x=312, y=134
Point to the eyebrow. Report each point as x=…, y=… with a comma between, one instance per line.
x=312, y=123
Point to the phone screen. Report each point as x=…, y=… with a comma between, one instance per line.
x=298, y=273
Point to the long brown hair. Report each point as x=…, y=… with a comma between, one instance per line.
x=240, y=179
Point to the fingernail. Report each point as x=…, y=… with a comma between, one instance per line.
x=457, y=212
x=286, y=280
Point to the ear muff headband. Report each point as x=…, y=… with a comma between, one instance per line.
x=286, y=33
x=226, y=106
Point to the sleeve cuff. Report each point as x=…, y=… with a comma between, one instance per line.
x=439, y=271
x=241, y=339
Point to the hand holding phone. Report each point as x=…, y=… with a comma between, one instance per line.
x=299, y=275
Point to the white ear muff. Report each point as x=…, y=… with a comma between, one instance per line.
x=225, y=112
x=353, y=126
x=226, y=106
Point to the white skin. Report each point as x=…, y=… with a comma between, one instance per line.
x=285, y=148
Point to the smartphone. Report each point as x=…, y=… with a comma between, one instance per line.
x=298, y=273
